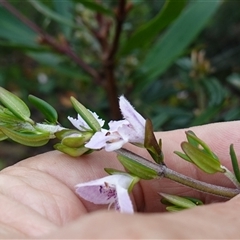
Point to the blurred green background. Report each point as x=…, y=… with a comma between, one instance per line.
x=177, y=61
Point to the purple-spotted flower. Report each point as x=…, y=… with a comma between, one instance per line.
x=111, y=190
x=131, y=129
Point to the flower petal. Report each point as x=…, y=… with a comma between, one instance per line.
x=130, y=114
x=105, y=139
x=97, y=141
x=115, y=125
x=124, y=203
x=80, y=123
x=135, y=130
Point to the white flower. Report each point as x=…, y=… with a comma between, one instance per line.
x=131, y=129
x=111, y=190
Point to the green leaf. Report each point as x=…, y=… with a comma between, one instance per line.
x=15, y=31
x=15, y=105
x=183, y=156
x=52, y=14
x=96, y=7
x=201, y=159
x=146, y=33
x=196, y=201
x=215, y=90
x=174, y=209
x=176, y=39
x=46, y=58
x=45, y=108
x=86, y=115
x=136, y=168
x=206, y=116
x=20, y=46
x=195, y=141
x=235, y=163
x=65, y=9
x=178, y=201
x=28, y=139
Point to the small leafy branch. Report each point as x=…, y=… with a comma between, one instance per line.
x=89, y=135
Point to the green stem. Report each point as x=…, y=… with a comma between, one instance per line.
x=166, y=172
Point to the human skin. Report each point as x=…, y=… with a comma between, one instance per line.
x=38, y=200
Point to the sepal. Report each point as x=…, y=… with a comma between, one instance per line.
x=150, y=143
x=76, y=141
x=86, y=115
x=73, y=152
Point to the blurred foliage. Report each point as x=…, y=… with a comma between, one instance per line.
x=176, y=61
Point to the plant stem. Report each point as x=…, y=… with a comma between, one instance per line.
x=164, y=171
x=109, y=62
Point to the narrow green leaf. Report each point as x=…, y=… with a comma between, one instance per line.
x=28, y=139
x=42, y=8
x=86, y=115
x=65, y=9
x=15, y=105
x=201, y=159
x=216, y=92
x=183, y=156
x=195, y=141
x=174, y=209
x=190, y=139
x=178, y=36
x=235, y=163
x=45, y=108
x=15, y=31
x=194, y=200
x=136, y=168
x=207, y=115
x=146, y=33
x=178, y=201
